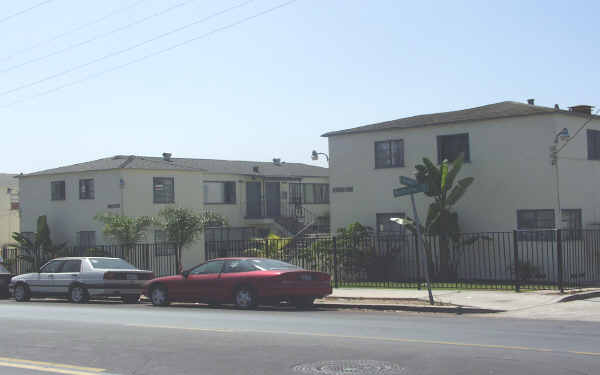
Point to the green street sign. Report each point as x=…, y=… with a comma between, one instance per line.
x=420, y=188
x=407, y=181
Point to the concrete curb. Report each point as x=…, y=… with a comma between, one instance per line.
x=414, y=308
x=580, y=296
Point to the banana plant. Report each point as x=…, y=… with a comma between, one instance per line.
x=446, y=192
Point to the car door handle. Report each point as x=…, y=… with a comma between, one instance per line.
x=51, y=276
x=74, y=275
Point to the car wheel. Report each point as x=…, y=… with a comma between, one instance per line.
x=130, y=299
x=22, y=293
x=78, y=294
x=303, y=302
x=159, y=296
x=245, y=298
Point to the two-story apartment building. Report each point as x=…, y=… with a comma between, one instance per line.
x=271, y=195
x=507, y=151
x=9, y=207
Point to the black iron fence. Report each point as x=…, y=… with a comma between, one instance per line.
x=516, y=260
x=159, y=258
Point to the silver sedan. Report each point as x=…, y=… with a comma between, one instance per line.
x=82, y=278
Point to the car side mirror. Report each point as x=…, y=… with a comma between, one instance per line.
x=185, y=273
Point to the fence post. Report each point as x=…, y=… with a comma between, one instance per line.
x=516, y=256
x=335, y=264
x=267, y=247
x=418, y=260
x=559, y=256
x=147, y=256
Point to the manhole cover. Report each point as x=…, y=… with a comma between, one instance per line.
x=351, y=367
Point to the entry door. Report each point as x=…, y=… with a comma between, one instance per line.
x=273, y=199
x=253, y=199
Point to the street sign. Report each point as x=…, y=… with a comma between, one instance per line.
x=407, y=181
x=419, y=188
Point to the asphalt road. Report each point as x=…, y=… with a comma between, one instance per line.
x=108, y=338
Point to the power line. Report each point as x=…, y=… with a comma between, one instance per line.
x=25, y=10
x=156, y=53
x=96, y=37
x=121, y=51
x=73, y=30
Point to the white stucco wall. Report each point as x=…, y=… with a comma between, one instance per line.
x=9, y=218
x=130, y=192
x=138, y=200
x=509, y=160
x=67, y=218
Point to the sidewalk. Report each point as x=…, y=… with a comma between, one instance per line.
x=466, y=300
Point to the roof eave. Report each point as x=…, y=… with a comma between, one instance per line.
x=350, y=131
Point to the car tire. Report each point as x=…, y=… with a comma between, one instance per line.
x=22, y=292
x=159, y=295
x=78, y=294
x=245, y=298
x=303, y=302
x=131, y=299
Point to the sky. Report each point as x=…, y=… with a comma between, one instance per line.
x=250, y=85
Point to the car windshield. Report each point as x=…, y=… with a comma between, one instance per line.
x=113, y=264
x=3, y=270
x=270, y=264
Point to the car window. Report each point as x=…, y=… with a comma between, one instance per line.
x=71, y=266
x=52, y=266
x=271, y=264
x=207, y=268
x=233, y=266
x=111, y=264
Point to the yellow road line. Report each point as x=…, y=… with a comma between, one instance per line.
x=49, y=366
x=392, y=339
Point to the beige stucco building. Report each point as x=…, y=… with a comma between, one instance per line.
x=9, y=207
x=508, y=153
x=268, y=195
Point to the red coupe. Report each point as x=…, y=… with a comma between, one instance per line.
x=246, y=282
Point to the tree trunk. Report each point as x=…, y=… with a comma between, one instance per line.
x=444, y=242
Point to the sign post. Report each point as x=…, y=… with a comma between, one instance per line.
x=412, y=188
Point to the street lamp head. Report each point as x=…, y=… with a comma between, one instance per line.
x=563, y=135
x=401, y=220
x=314, y=155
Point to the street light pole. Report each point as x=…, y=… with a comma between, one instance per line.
x=562, y=135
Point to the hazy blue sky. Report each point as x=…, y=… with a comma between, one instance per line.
x=270, y=87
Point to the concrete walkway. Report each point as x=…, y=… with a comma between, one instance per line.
x=543, y=304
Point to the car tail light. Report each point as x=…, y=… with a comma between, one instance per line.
x=110, y=276
x=323, y=277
